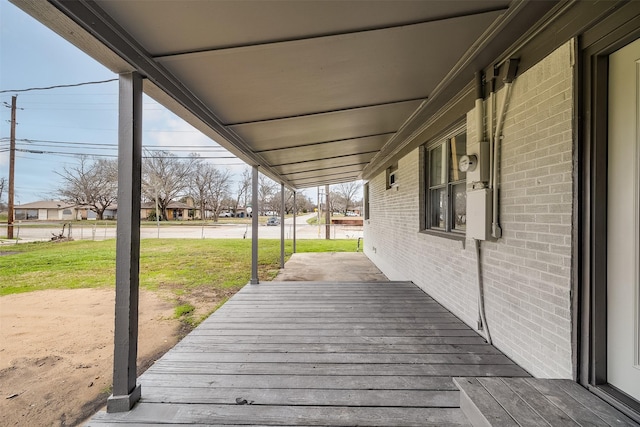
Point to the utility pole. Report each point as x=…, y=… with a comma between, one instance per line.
x=12, y=167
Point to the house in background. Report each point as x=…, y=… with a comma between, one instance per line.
x=47, y=210
x=110, y=212
x=176, y=211
x=499, y=142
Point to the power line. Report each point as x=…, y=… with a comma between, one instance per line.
x=115, y=129
x=72, y=94
x=196, y=149
x=26, y=156
x=23, y=150
x=57, y=86
x=176, y=147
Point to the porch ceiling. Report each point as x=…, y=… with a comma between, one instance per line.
x=311, y=91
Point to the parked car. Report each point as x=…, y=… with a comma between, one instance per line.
x=273, y=221
x=226, y=215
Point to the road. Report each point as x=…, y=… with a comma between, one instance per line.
x=98, y=230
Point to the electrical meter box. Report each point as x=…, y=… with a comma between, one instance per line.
x=479, y=214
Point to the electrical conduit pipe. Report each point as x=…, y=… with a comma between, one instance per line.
x=480, y=130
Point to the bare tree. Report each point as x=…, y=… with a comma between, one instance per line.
x=93, y=183
x=266, y=191
x=348, y=192
x=199, y=183
x=336, y=202
x=276, y=201
x=218, y=191
x=165, y=177
x=303, y=203
x=243, y=192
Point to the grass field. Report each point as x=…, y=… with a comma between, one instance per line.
x=194, y=273
x=179, y=264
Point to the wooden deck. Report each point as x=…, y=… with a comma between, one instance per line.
x=518, y=402
x=309, y=353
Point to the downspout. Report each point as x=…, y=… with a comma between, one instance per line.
x=480, y=131
x=510, y=75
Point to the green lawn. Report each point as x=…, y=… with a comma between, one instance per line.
x=177, y=264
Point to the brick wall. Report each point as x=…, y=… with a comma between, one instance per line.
x=527, y=273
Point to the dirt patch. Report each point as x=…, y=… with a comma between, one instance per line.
x=56, y=352
x=203, y=299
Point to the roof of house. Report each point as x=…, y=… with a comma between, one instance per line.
x=172, y=205
x=112, y=207
x=46, y=204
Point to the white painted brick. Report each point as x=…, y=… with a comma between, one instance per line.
x=527, y=274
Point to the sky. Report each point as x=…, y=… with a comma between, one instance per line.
x=55, y=126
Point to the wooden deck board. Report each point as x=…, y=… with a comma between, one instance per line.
x=517, y=408
x=301, y=340
x=534, y=402
x=353, y=332
x=480, y=407
x=285, y=415
x=315, y=397
x=551, y=413
x=233, y=347
x=468, y=370
x=304, y=382
x=579, y=413
x=318, y=354
x=341, y=358
x=595, y=404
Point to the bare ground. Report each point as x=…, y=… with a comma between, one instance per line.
x=56, y=352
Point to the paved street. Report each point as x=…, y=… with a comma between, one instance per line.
x=99, y=230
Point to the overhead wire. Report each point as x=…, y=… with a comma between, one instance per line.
x=34, y=154
x=56, y=86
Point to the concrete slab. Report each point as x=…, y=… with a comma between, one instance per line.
x=330, y=267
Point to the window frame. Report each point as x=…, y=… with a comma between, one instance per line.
x=449, y=230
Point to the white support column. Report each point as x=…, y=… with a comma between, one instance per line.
x=282, y=212
x=125, y=390
x=295, y=209
x=254, y=227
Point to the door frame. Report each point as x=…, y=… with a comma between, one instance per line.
x=590, y=241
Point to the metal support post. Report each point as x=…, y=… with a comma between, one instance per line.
x=295, y=209
x=327, y=215
x=125, y=390
x=282, y=211
x=254, y=227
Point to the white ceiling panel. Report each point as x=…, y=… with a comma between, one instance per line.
x=330, y=73
x=333, y=126
x=311, y=91
x=168, y=27
x=325, y=150
x=331, y=162
x=327, y=172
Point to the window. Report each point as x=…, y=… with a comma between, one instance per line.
x=392, y=176
x=366, y=200
x=446, y=185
